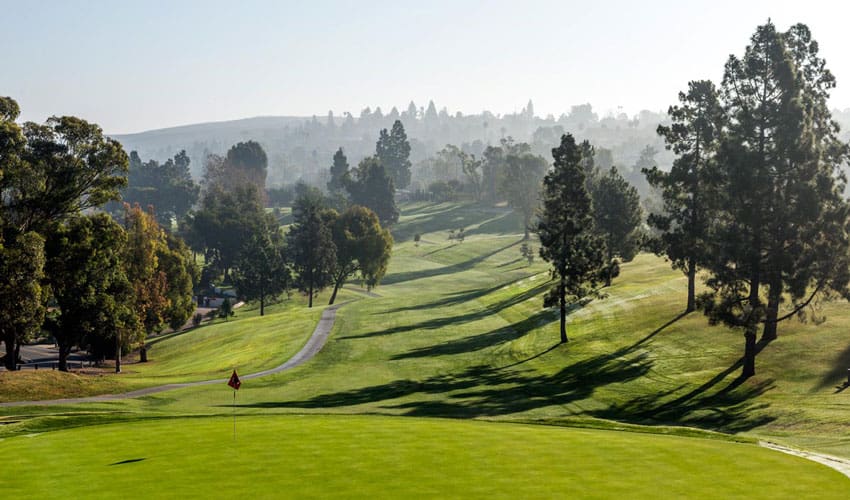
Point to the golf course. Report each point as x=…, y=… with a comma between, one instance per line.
x=449, y=380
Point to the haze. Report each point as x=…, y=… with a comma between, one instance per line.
x=142, y=65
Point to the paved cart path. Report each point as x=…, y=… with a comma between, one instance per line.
x=314, y=344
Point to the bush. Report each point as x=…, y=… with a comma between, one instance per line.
x=196, y=319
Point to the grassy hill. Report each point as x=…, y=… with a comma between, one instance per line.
x=459, y=331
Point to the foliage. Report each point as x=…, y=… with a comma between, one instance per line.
x=224, y=222
x=565, y=227
x=226, y=309
x=21, y=293
x=145, y=241
x=261, y=272
x=181, y=274
x=87, y=278
x=521, y=184
x=168, y=187
x=782, y=221
x=683, y=224
x=373, y=188
x=393, y=151
x=362, y=246
x=310, y=247
x=340, y=175
x=617, y=217
x=67, y=166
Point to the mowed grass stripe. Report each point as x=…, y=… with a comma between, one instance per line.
x=380, y=457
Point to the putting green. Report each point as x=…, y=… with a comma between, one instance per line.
x=370, y=456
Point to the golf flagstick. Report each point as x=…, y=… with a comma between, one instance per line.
x=235, y=383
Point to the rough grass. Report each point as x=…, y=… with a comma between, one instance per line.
x=376, y=457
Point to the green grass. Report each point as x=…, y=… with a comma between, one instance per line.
x=459, y=331
x=375, y=457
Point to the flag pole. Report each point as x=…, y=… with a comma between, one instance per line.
x=234, y=414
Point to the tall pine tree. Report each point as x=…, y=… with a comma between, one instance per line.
x=566, y=233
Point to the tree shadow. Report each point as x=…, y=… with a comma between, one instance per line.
x=435, y=323
x=484, y=340
x=728, y=409
x=837, y=375
x=485, y=391
x=439, y=271
x=454, y=298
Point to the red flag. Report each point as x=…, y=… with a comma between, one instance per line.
x=234, y=381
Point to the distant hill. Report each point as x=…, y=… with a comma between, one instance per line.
x=301, y=148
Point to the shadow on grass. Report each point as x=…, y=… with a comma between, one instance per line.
x=486, y=391
x=837, y=375
x=439, y=271
x=484, y=340
x=486, y=219
x=728, y=409
x=457, y=320
x=454, y=298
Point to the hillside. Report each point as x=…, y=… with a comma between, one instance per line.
x=459, y=331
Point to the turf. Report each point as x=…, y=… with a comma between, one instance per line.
x=459, y=331
x=373, y=457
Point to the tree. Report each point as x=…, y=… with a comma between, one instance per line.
x=224, y=222
x=617, y=216
x=261, y=272
x=373, y=188
x=783, y=222
x=393, y=150
x=21, y=294
x=566, y=233
x=226, y=309
x=340, y=175
x=521, y=185
x=361, y=244
x=168, y=187
x=181, y=274
x=247, y=163
x=88, y=281
x=310, y=245
x=145, y=241
x=66, y=166
x=684, y=223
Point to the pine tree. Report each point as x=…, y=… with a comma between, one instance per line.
x=310, y=245
x=617, y=217
x=566, y=233
x=686, y=190
x=393, y=150
x=340, y=175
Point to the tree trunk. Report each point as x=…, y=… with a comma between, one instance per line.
x=10, y=359
x=17, y=352
x=310, y=295
x=610, y=268
x=562, y=302
x=333, y=294
x=749, y=352
x=262, y=304
x=774, y=295
x=64, y=351
x=143, y=354
x=692, y=275
x=117, y=353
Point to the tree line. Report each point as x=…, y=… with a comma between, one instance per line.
x=754, y=198
x=70, y=269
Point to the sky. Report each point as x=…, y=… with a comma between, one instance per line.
x=133, y=66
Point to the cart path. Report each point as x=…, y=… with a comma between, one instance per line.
x=314, y=344
x=840, y=464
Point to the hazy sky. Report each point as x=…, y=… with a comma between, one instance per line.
x=132, y=66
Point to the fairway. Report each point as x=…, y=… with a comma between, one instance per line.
x=373, y=457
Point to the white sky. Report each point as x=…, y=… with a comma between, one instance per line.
x=132, y=66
